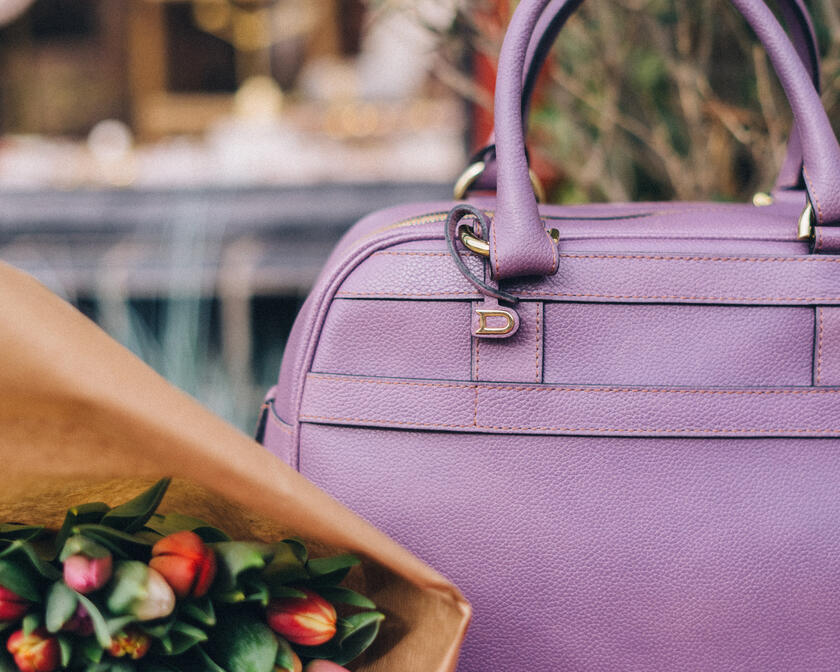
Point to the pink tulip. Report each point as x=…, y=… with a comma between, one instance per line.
x=85, y=574
x=186, y=562
x=324, y=666
x=12, y=605
x=35, y=652
x=308, y=621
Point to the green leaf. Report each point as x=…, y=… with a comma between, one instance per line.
x=206, y=660
x=31, y=622
x=287, y=565
x=79, y=515
x=66, y=645
x=117, y=623
x=236, y=557
x=176, y=522
x=285, y=659
x=23, y=553
x=7, y=664
x=340, y=595
x=243, y=643
x=131, y=516
x=80, y=544
x=330, y=571
x=356, y=634
x=200, y=610
x=19, y=580
x=60, y=607
x=287, y=591
x=120, y=543
x=185, y=636
x=14, y=531
x=91, y=649
x=100, y=626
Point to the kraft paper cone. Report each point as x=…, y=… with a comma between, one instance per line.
x=82, y=419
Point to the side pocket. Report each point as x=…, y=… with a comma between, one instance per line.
x=276, y=434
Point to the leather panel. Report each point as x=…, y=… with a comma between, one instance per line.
x=520, y=408
x=611, y=555
x=410, y=339
x=610, y=344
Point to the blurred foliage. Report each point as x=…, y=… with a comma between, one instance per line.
x=653, y=99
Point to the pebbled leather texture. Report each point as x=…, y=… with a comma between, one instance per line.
x=643, y=477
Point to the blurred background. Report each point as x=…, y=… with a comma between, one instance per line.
x=180, y=169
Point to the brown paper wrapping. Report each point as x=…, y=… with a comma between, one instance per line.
x=82, y=419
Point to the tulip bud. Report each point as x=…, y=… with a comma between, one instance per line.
x=85, y=574
x=308, y=621
x=139, y=590
x=35, y=652
x=324, y=666
x=287, y=660
x=12, y=605
x=80, y=623
x=186, y=562
x=130, y=642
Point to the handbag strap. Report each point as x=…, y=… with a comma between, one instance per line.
x=800, y=27
x=519, y=243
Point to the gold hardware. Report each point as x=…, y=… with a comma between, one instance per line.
x=484, y=330
x=473, y=243
x=762, y=199
x=555, y=235
x=805, y=222
x=474, y=171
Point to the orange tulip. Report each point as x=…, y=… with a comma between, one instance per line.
x=186, y=562
x=35, y=652
x=130, y=642
x=308, y=621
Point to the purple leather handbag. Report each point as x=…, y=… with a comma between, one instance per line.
x=615, y=427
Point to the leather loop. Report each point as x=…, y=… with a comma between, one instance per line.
x=518, y=241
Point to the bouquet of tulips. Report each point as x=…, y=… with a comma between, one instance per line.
x=127, y=588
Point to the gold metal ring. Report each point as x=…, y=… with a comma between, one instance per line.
x=474, y=171
x=806, y=222
x=473, y=243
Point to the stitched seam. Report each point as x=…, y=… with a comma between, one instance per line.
x=279, y=423
x=643, y=257
x=718, y=430
x=819, y=345
x=550, y=388
x=538, y=378
x=603, y=296
x=496, y=247
x=813, y=193
x=819, y=238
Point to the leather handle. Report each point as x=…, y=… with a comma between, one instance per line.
x=519, y=243
x=794, y=14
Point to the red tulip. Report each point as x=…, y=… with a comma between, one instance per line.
x=85, y=574
x=186, y=562
x=130, y=642
x=308, y=621
x=35, y=652
x=324, y=666
x=12, y=605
